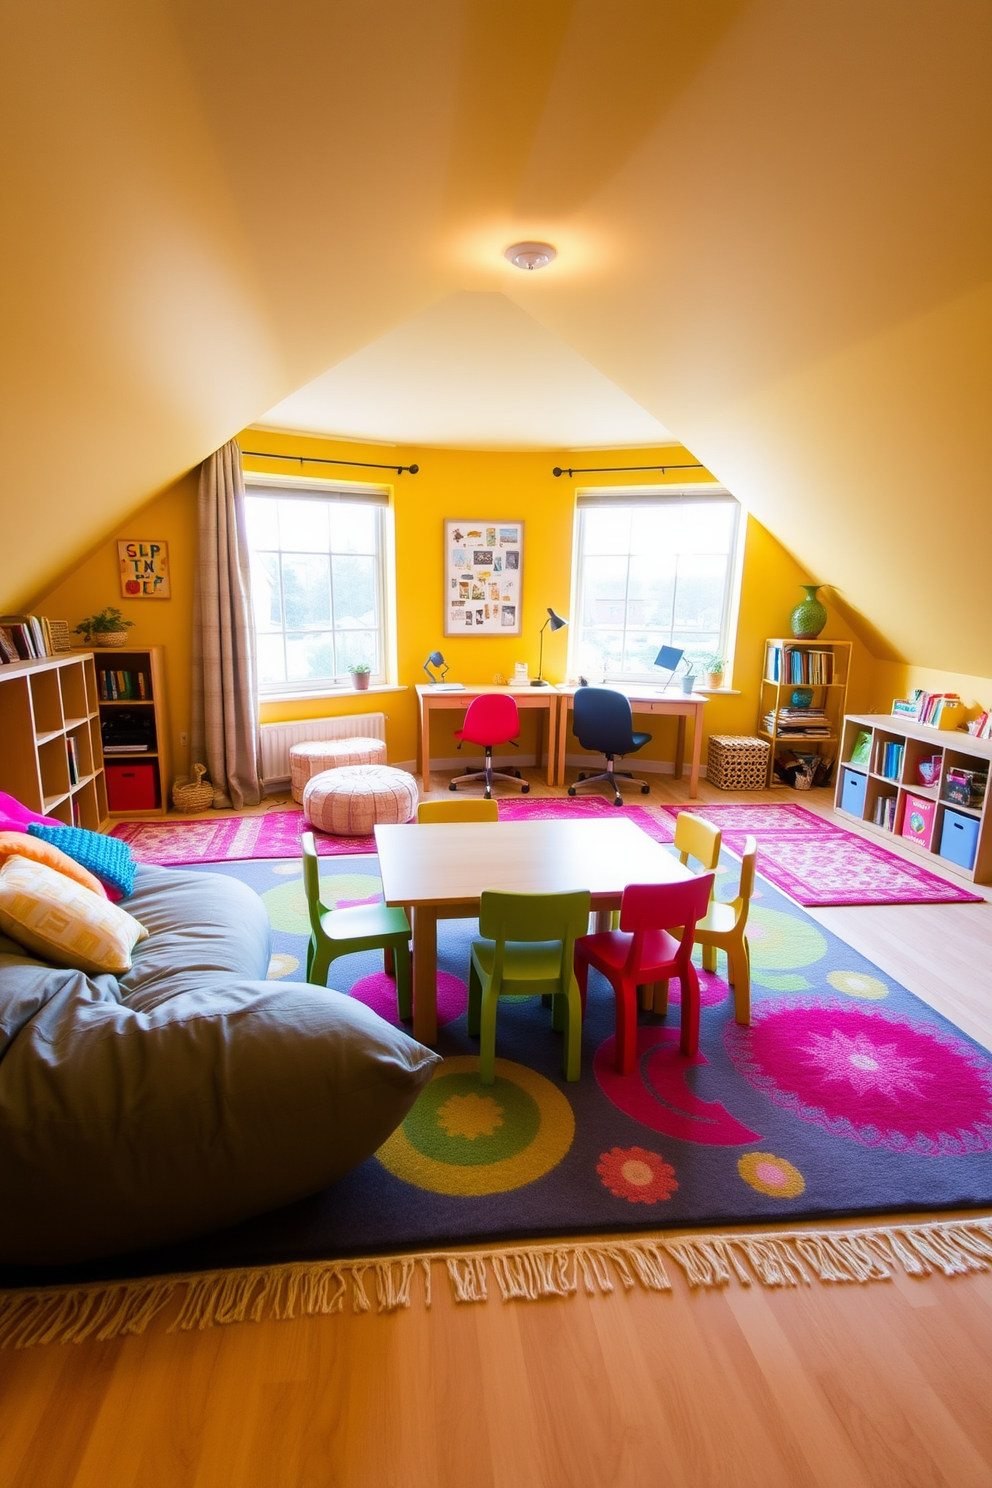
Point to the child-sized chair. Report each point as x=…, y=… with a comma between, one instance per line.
x=361, y=927
x=697, y=838
x=723, y=929
x=644, y=951
x=527, y=951
x=469, y=809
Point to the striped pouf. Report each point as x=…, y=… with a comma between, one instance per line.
x=348, y=802
x=310, y=758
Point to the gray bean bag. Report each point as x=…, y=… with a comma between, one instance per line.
x=191, y=1093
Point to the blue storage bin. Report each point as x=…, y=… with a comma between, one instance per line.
x=852, y=792
x=959, y=838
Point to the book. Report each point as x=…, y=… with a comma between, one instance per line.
x=861, y=753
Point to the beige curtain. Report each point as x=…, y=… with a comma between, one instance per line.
x=224, y=715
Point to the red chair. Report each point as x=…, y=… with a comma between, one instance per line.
x=642, y=952
x=492, y=719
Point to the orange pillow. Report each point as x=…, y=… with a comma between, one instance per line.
x=19, y=844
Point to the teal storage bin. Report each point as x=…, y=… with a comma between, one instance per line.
x=959, y=838
x=852, y=793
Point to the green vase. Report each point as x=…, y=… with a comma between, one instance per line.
x=810, y=616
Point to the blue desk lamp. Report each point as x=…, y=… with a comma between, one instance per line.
x=556, y=622
x=435, y=660
x=669, y=658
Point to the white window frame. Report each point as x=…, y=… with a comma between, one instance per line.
x=378, y=497
x=633, y=496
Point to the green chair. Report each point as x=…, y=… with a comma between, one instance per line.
x=527, y=951
x=363, y=927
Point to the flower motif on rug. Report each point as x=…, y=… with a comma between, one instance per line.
x=780, y=945
x=470, y=1116
x=858, y=984
x=880, y=1080
x=771, y=1175
x=639, y=1176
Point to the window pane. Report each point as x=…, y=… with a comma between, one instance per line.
x=604, y=592
x=358, y=648
x=303, y=526
x=271, y=665
x=265, y=596
x=310, y=656
x=599, y=652
x=353, y=528
x=606, y=530
x=641, y=649
x=262, y=521
x=699, y=592
x=354, y=592
x=651, y=595
x=306, y=585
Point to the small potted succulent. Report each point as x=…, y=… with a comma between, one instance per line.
x=713, y=666
x=360, y=676
x=108, y=628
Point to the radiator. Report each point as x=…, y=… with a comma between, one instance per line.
x=277, y=737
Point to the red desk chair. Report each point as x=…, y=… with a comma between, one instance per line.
x=492, y=719
x=642, y=952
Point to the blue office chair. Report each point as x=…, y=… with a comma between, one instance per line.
x=602, y=720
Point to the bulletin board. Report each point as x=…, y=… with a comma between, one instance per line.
x=483, y=574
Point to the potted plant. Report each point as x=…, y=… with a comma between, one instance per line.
x=713, y=666
x=360, y=676
x=108, y=628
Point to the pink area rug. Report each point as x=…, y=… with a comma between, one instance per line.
x=277, y=835
x=820, y=864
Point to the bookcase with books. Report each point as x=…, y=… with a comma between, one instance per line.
x=925, y=785
x=51, y=758
x=131, y=695
x=808, y=728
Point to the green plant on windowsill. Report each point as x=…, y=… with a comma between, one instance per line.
x=713, y=666
x=108, y=628
x=360, y=676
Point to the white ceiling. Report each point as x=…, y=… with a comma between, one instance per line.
x=473, y=371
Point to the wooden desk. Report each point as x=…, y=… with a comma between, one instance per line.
x=432, y=699
x=681, y=705
x=440, y=871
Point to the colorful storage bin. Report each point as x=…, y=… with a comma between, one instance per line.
x=959, y=838
x=852, y=792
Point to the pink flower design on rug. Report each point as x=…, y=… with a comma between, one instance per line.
x=378, y=992
x=760, y=819
x=637, y=1175
x=653, y=820
x=880, y=1080
x=839, y=868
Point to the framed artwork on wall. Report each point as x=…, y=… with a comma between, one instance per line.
x=483, y=572
x=144, y=568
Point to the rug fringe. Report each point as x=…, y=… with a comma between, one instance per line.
x=528, y=1273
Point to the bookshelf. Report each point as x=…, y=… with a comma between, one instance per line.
x=50, y=745
x=862, y=784
x=820, y=666
x=134, y=724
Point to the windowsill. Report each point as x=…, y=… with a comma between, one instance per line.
x=330, y=693
x=719, y=691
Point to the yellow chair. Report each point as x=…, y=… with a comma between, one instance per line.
x=699, y=839
x=476, y=809
x=723, y=929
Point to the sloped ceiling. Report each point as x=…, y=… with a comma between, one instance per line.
x=773, y=224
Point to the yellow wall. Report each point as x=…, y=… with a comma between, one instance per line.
x=451, y=483
x=895, y=679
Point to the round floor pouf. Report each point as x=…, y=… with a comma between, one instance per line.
x=348, y=802
x=307, y=760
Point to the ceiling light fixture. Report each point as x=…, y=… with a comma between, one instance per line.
x=530, y=256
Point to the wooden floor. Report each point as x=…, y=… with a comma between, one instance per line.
x=837, y=1387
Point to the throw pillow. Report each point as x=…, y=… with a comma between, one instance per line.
x=106, y=857
x=60, y=921
x=21, y=845
x=14, y=817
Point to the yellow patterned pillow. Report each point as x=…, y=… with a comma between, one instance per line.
x=59, y=920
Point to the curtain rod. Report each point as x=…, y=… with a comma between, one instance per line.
x=318, y=460
x=613, y=469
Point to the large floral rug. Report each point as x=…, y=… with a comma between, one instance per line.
x=845, y=1096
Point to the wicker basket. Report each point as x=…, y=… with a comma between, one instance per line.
x=107, y=638
x=193, y=795
x=736, y=762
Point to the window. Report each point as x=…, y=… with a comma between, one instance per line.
x=651, y=570
x=318, y=590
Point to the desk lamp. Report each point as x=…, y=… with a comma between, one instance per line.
x=557, y=623
x=669, y=658
x=435, y=660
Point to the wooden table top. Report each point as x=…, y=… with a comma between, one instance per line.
x=454, y=862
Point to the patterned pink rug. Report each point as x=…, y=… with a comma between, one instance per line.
x=817, y=863
x=820, y=864
x=277, y=835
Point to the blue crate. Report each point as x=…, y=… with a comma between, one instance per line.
x=959, y=838
x=852, y=793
